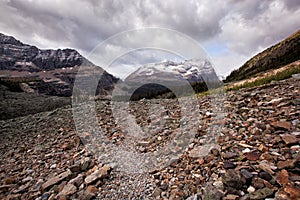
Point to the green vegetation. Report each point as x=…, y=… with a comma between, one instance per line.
x=276, y=77
x=281, y=54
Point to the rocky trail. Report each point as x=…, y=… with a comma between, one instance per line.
x=256, y=155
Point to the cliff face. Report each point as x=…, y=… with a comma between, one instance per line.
x=18, y=56
x=56, y=68
x=283, y=53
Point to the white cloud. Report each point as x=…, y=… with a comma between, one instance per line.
x=243, y=28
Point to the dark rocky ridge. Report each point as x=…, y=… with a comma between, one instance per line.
x=16, y=55
x=56, y=68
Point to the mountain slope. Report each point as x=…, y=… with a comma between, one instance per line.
x=54, y=69
x=285, y=52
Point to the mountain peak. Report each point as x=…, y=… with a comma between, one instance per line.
x=5, y=39
x=56, y=68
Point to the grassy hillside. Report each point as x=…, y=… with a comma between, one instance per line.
x=278, y=55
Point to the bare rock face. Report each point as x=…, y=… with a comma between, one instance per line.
x=18, y=56
x=54, y=69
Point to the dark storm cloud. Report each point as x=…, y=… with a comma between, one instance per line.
x=292, y=4
x=244, y=27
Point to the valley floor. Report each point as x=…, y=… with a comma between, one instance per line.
x=256, y=154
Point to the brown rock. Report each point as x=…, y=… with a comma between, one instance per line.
x=289, y=139
x=68, y=189
x=62, y=197
x=55, y=180
x=229, y=155
x=282, y=195
x=86, y=195
x=258, y=183
x=156, y=193
x=262, y=148
x=92, y=189
x=104, y=171
x=229, y=165
x=214, y=151
x=92, y=177
x=233, y=179
x=266, y=167
x=281, y=125
x=231, y=197
x=282, y=177
x=77, y=181
x=98, y=174
x=286, y=164
x=9, y=180
x=293, y=191
x=253, y=156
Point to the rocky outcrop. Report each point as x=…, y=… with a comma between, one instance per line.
x=56, y=68
x=22, y=57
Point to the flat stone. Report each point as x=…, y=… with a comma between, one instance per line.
x=233, y=178
x=92, y=177
x=265, y=175
x=77, y=181
x=289, y=139
x=261, y=194
x=98, y=174
x=286, y=164
x=55, y=180
x=229, y=155
x=200, y=151
x=246, y=174
x=231, y=197
x=253, y=156
x=28, y=178
x=266, y=167
x=282, y=177
x=68, y=189
x=229, y=165
x=281, y=125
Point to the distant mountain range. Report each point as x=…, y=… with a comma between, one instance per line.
x=154, y=79
x=278, y=55
x=50, y=72
x=190, y=70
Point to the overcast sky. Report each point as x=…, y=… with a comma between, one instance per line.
x=230, y=31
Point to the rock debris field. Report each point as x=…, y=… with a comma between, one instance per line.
x=256, y=152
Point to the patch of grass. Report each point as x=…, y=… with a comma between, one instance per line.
x=265, y=80
x=216, y=91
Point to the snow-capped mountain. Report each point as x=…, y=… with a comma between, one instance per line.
x=151, y=80
x=190, y=70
